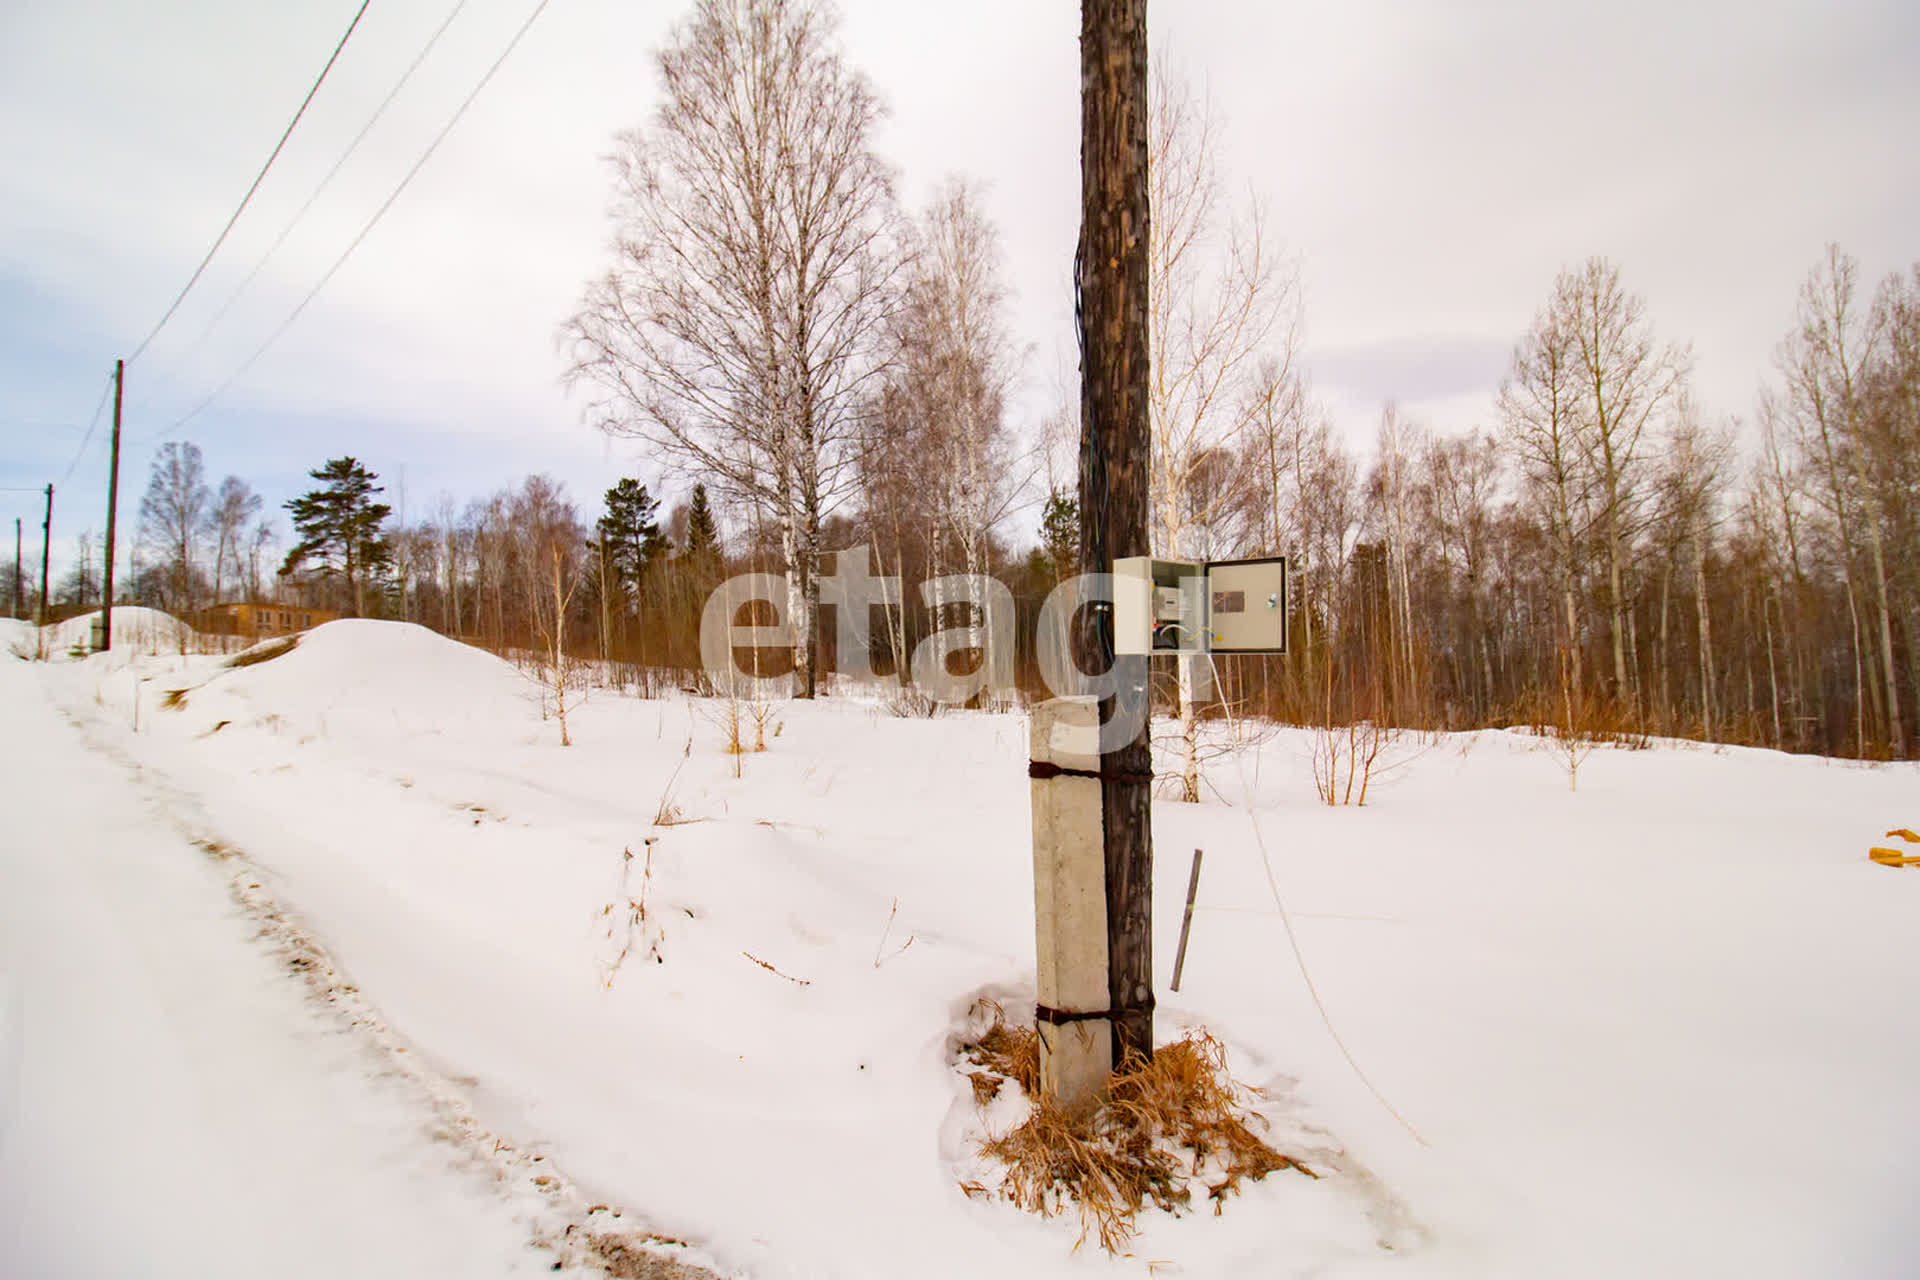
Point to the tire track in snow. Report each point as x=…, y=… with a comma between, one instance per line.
x=583, y=1235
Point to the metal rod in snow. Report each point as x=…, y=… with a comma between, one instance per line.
x=1186, y=921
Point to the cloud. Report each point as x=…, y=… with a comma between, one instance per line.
x=1413, y=368
x=1432, y=166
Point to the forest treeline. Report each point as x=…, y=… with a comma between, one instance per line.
x=810, y=367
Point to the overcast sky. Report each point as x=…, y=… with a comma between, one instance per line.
x=1431, y=165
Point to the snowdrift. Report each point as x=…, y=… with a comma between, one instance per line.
x=361, y=679
x=16, y=636
x=136, y=630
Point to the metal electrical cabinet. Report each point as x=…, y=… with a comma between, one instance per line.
x=1247, y=605
x=1159, y=606
x=1183, y=606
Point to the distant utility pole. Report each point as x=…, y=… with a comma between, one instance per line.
x=16, y=566
x=46, y=545
x=113, y=509
x=1112, y=283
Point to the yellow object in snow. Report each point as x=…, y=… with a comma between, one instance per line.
x=1893, y=857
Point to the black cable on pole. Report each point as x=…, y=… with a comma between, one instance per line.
x=353, y=146
x=379, y=213
x=257, y=180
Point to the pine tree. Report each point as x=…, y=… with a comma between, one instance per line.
x=703, y=536
x=339, y=526
x=629, y=531
x=1060, y=532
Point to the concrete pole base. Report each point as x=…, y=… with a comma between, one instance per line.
x=1070, y=901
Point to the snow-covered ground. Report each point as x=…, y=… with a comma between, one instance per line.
x=1663, y=1025
x=170, y=1106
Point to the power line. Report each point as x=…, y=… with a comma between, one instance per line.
x=338, y=164
x=379, y=213
x=258, y=179
x=91, y=427
x=1293, y=940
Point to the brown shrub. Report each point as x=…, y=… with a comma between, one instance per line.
x=1161, y=1124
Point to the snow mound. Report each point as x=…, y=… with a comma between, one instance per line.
x=362, y=678
x=136, y=629
x=15, y=634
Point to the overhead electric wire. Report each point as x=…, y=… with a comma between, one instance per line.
x=338, y=164
x=379, y=213
x=257, y=180
x=39, y=424
x=1293, y=939
x=91, y=427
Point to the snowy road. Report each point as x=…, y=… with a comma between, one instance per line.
x=170, y=1103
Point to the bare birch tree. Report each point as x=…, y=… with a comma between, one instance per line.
x=737, y=323
x=259, y=547
x=1221, y=299
x=951, y=366
x=1400, y=444
x=957, y=301
x=548, y=553
x=235, y=505
x=173, y=520
x=1223, y=302
x=1689, y=486
x=1465, y=481
x=1537, y=408
x=1893, y=439
x=1626, y=381
x=1826, y=361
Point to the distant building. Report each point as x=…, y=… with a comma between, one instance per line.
x=259, y=621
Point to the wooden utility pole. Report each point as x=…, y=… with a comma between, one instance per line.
x=113, y=508
x=1111, y=278
x=46, y=545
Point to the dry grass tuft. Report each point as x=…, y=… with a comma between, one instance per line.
x=174, y=699
x=1164, y=1124
x=798, y=982
x=986, y=1086
x=761, y=713
x=626, y=917
x=266, y=652
x=1011, y=1053
x=626, y=1258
